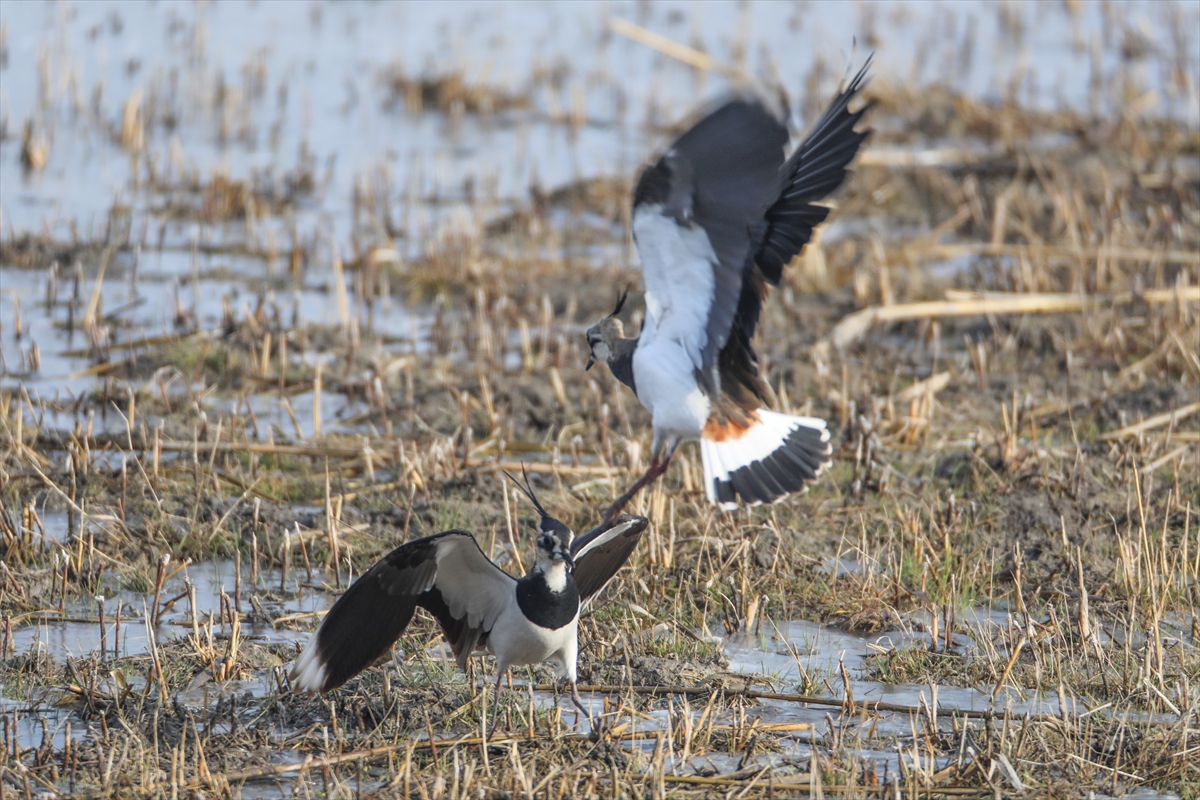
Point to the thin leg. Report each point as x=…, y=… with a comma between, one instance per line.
x=657, y=468
x=578, y=701
x=496, y=704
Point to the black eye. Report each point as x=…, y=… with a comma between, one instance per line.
x=546, y=543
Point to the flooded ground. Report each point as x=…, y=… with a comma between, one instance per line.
x=284, y=285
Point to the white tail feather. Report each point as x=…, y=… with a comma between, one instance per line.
x=722, y=458
x=308, y=673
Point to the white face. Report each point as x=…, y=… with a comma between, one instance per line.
x=550, y=550
x=601, y=334
x=600, y=351
x=553, y=560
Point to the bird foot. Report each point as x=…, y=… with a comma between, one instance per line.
x=593, y=723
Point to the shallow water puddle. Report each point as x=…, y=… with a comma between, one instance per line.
x=80, y=634
x=793, y=655
x=799, y=654
x=38, y=722
x=805, y=653
x=36, y=715
x=49, y=357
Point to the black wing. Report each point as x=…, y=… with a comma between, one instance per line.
x=815, y=170
x=446, y=574
x=604, y=550
x=721, y=175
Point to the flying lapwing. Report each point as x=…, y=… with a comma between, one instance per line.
x=716, y=219
x=479, y=606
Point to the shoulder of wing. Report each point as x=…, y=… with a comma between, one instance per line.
x=459, y=553
x=470, y=584
x=412, y=567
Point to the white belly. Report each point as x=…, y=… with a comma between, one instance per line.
x=516, y=642
x=666, y=386
x=677, y=261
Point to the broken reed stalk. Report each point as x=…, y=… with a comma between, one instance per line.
x=930, y=386
x=1164, y=459
x=264, y=448
x=540, y=468
x=951, y=251
x=103, y=632
x=855, y=706
x=854, y=326
x=311, y=762
x=144, y=341
x=669, y=47
x=89, y=317
x=1157, y=421
x=316, y=451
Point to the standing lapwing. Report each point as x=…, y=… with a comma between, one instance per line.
x=715, y=220
x=478, y=605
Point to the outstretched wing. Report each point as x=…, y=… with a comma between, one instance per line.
x=602, y=551
x=815, y=170
x=447, y=574
x=693, y=212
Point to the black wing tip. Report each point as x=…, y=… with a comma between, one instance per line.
x=815, y=170
x=789, y=469
x=849, y=91
x=838, y=114
x=346, y=645
x=860, y=79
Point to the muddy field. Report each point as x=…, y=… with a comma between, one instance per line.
x=285, y=286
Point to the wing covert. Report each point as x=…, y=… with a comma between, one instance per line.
x=473, y=587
